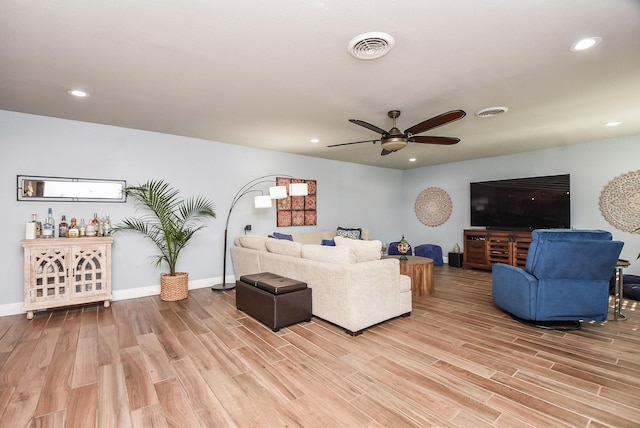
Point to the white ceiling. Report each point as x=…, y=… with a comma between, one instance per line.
x=274, y=74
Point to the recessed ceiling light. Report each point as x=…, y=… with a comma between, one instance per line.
x=314, y=140
x=584, y=44
x=412, y=159
x=78, y=93
x=613, y=123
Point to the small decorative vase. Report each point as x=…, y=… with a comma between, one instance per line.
x=456, y=248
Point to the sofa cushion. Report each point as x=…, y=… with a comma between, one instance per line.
x=365, y=250
x=284, y=247
x=253, y=242
x=308, y=238
x=328, y=234
x=349, y=232
x=328, y=242
x=323, y=253
x=317, y=237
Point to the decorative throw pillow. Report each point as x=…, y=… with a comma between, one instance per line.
x=365, y=250
x=282, y=236
x=284, y=247
x=328, y=242
x=253, y=242
x=349, y=233
x=323, y=253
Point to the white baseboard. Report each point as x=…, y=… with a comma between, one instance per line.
x=132, y=293
x=12, y=309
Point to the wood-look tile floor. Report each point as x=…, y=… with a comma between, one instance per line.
x=457, y=361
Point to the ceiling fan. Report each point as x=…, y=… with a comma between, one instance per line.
x=394, y=140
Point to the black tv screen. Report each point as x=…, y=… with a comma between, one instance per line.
x=522, y=203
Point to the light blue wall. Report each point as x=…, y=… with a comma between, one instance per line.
x=591, y=165
x=349, y=195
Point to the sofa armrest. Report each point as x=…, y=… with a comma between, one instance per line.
x=514, y=290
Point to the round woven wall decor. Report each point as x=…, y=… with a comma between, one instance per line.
x=433, y=206
x=620, y=201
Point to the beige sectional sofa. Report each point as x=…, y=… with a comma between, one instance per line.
x=352, y=287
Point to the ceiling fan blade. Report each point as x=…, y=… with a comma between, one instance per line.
x=426, y=139
x=434, y=122
x=355, y=142
x=368, y=126
x=385, y=152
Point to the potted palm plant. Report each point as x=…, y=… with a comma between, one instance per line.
x=170, y=222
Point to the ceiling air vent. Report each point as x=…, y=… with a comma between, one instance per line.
x=491, y=111
x=370, y=45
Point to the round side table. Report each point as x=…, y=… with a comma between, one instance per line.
x=420, y=270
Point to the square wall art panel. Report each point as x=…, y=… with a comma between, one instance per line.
x=297, y=210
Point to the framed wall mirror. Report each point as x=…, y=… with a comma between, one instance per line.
x=63, y=189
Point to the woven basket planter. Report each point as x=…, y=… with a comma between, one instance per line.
x=174, y=287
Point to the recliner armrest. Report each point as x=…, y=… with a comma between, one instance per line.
x=504, y=269
x=514, y=290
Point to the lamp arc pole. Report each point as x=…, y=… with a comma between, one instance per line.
x=244, y=190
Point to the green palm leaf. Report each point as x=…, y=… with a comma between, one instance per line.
x=166, y=219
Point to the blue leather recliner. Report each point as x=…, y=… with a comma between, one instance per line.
x=566, y=277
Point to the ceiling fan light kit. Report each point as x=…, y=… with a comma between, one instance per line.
x=394, y=140
x=393, y=144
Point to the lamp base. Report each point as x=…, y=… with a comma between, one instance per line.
x=223, y=287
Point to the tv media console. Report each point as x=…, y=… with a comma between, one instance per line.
x=483, y=248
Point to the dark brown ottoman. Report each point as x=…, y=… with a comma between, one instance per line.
x=273, y=299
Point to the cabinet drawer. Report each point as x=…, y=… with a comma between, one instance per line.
x=475, y=245
x=475, y=257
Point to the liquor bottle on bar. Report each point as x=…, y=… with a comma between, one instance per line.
x=95, y=222
x=83, y=228
x=90, y=230
x=74, y=232
x=106, y=228
x=62, y=227
x=34, y=219
x=49, y=225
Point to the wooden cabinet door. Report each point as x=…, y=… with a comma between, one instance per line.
x=499, y=244
x=46, y=278
x=89, y=272
x=520, y=248
x=475, y=249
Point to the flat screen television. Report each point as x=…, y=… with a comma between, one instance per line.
x=522, y=203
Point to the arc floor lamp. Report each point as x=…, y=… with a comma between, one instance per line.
x=260, y=201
